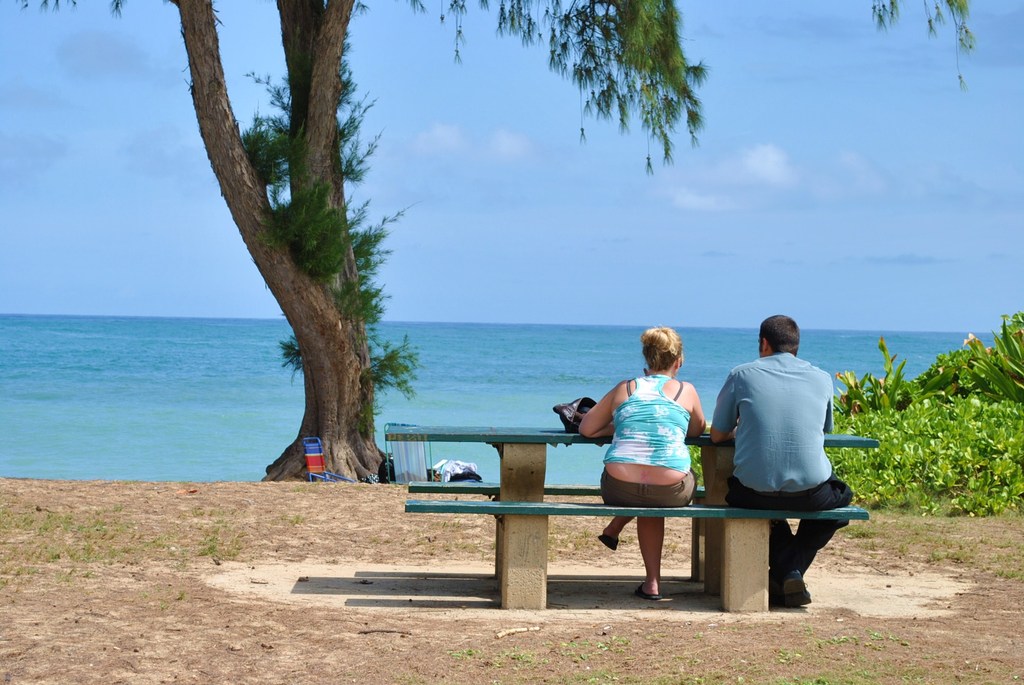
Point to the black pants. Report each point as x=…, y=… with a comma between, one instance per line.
x=788, y=551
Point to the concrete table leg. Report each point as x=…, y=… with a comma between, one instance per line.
x=522, y=553
x=499, y=536
x=716, y=462
x=697, y=547
x=745, y=564
x=524, y=556
x=697, y=550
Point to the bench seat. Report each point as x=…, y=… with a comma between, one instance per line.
x=710, y=511
x=743, y=584
x=493, y=490
x=469, y=487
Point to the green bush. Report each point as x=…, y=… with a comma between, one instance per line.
x=962, y=456
x=952, y=439
x=950, y=374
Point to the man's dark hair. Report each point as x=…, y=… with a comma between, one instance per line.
x=782, y=334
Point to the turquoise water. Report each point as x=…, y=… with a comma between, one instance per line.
x=207, y=399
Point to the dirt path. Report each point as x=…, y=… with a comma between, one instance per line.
x=294, y=583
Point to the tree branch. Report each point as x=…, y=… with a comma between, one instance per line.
x=325, y=91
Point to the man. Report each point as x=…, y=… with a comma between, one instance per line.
x=778, y=409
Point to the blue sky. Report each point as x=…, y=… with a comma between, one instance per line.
x=843, y=177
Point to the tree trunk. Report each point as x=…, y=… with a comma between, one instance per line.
x=334, y=350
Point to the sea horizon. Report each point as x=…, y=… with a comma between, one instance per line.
x=159, y=398
x=485, y=323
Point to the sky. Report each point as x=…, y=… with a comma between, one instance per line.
x=843, y=177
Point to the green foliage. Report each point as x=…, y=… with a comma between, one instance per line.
x=891, y=392
x=268, y=150
x=964, y=455
x=949, y=375
x=625, y=58
x=364, y=299
x=999, y=371
x=952, y=438
x=393, y=365
x=887, y=13
x=291, y=356
x=311, y=229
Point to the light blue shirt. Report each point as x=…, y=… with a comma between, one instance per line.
x=783, y=408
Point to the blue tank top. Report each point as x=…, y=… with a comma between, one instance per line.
x=650, y=428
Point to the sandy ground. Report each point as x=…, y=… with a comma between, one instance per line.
x=458, y=591
x=295, y=583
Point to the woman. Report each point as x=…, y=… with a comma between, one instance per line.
x=648, y=463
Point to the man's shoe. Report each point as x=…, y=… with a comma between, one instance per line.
x=776, y=598
x=794, y=591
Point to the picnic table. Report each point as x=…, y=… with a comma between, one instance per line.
x=522, y=530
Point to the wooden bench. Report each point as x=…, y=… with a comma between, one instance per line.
x=744, y=553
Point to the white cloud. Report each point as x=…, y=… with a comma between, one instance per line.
x=848, y=175
x=448, y=139
x=746, y=177
x=863, y=174
x=685, y=198
x=509, y=145
x=440, y=139
x=763, y=166
x=767, y=164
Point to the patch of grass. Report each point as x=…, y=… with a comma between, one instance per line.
x=885, y=673
x=597, y=676
x=838, y=640
x=73, y=574
x=516, y=659
x=1010, y=565
x=993, y=545
x=957, y=554
x=9, y=574
x=787, y=656
x=861, y=531
x=583, y=650
x=571, y=540
x=41, y=536
x=70, y=545
x=221, y=542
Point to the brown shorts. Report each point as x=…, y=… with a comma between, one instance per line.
x=625, y=494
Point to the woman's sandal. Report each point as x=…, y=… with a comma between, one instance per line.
x=639, y=592
x=609, y=542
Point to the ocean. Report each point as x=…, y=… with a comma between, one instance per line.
x=175, y=399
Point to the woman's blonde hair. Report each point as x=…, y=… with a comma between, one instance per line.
x=662, y=346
